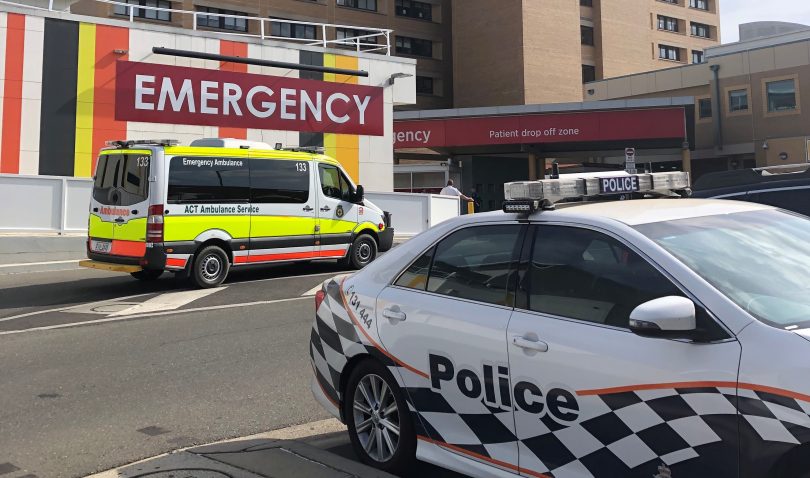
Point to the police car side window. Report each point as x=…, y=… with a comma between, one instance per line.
x=586, y=275
x=208, y=180
x=416, y=276
x=279, y=181
x=476, y=263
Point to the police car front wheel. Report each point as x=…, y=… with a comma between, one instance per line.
x=377, y=416
x=210, y=267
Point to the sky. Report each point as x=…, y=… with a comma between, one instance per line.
x=734, y=12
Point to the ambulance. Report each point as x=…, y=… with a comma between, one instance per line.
x=199, y=210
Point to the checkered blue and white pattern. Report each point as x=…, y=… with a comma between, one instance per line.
x=691, y=431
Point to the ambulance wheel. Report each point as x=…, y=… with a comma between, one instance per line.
x=362, y=252
x=210, y=267
x=380, y=426
x=147, y=275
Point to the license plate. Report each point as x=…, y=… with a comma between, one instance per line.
x=618, y=185
x=100, y=246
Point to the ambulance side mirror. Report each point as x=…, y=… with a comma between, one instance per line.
x=359, y=194
x=670, y=317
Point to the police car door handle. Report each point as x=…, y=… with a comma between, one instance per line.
x=326, y=209
x=393, y=313
x=527, y=344
x=308, y=208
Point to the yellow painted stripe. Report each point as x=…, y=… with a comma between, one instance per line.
x=347, y=63
x=83, y=165
x=329, y=62
x=330, y=145
x=343, y=147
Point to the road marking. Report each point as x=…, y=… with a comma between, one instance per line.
x=107, y=301
x=63, y=309
x=155, y=314
x=169, y=301
x=38, y=263
x=312, y=291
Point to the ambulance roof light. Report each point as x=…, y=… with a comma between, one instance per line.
x=305, y=149
x=126, y=143
x=529, y=196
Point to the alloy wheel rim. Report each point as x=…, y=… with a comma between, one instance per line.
x=211, y=267
x=376, y=418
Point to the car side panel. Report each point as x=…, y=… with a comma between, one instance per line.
x=773, y=397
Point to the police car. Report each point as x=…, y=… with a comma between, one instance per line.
x=608, y=339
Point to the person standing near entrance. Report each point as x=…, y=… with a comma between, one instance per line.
x=451, y=190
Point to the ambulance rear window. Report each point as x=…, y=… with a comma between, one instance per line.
x=122, y=179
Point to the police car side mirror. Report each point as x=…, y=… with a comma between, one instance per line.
x=359, y=194
x=670, y=317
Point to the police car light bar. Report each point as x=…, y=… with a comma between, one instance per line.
x=125, y=143
x=529, y=196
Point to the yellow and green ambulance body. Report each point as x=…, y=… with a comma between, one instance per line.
x=204, y=208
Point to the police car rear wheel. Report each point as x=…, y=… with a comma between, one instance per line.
x=363, y=251
x=380, y=427
x=210, y=267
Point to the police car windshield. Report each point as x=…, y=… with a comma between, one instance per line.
x=759, y=259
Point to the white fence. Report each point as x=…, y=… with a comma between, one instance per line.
x=414, y=213
x=56, y=204
x=44, y=203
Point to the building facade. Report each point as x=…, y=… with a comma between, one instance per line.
x=523, y=52
x=63, y=94
x=421, y=28
x=478, y=52
x=749, y=109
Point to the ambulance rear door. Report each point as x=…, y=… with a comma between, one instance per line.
x=120, y=203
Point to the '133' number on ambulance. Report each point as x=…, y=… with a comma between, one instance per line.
x=301, y=167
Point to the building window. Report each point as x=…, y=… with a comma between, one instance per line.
x=704, y=108
x=667, y=23
x=666, y=52
x=424, y=85
x=699, y=4
x=414, y=46
x=222, y=23
x=674, y=2
x=737, y=101
x=353, y=33
x=781, y=95
x=701, y=30
x=588, y=73
x=585, y=3
x=697, y=56
x=148, y=14
x=586, y=35
x=414, y=9
x=359, y=4
x=292, y=30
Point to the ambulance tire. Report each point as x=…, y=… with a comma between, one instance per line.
x=362, y=252
x=370, y=373
x=210, y=267
x=147, y=275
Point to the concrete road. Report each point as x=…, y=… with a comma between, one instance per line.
x=98, y=370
